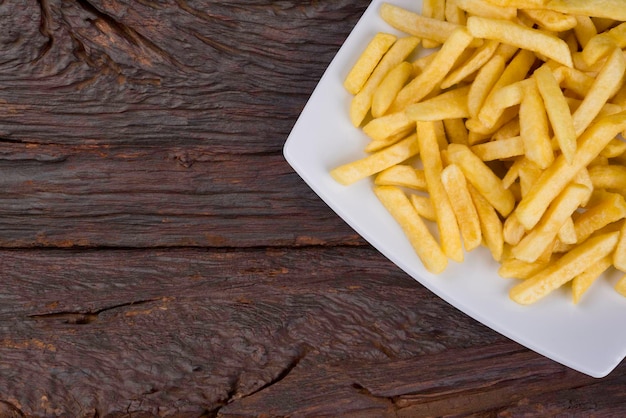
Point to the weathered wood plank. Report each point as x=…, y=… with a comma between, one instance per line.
x=99, y=71
x=149, y=196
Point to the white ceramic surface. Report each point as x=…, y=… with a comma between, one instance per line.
x=589, y=337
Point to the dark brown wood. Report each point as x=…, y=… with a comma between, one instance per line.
x=159, y=257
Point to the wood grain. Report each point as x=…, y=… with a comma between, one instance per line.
x=159, y=257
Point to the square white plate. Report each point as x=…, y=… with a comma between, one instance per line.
x=588, y=337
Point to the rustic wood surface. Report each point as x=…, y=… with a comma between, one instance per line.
x=160, y=258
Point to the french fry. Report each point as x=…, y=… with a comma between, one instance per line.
x=499, y=149
x=513, y=231
x=449, y=233
x=435, y=72
x=485, y=9
x=456, y=132
x=603, y=43
x=415, y=24
x=564, y=269
x=534, y=127
x=368, y=60
x=610, y=208
x=377, y=162
x=482, y=178
x=551, y=20
x=558, y=111
x=388, y=126
x=469, y=224
x=453, y=13
x=606, y=84
x=473, y=64
x=567, y=233
x=512, y=268
x=434, y=9
x=389, y=87
x=414, y=227
x=613, y=9
x=582, y=282
x=486, y=78
x=610, y=177
x=402, y=175
x=511, y=33
x=555, y=178
x=362, y=101
x=449, y=105
x=424, y=206
x=490, y=224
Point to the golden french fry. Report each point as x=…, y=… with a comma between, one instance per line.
x=424, y=206
x=564, y=269
x=558, y=111
x=610, y=177
x=614, y=149
x=551, y=20
x=377, y=162
x=415, y=24
x=499, y=149
x=402, y=175
x=490, y=224
x=520, y=4
x=484, y=82
x=485, y=9
x=449, y=233
x=556, y=177
x=613, y=9
x=567, y=233
x=449, y=105
x=482, y=178
x=513, y=231
x=456, y=132
x=608, y=81
x=434, y=9
x=511, y=33
x=389, y=125
x=390, y=86
x=434, y=73
x=534, y=127
x=536, y=241
x=417, y=232
x=582, y=282
x=368, y=60
x=469, y=224
x=362, y=102
x=603, y=43
x=512, y=268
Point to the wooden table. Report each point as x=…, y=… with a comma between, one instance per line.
x=160, y=258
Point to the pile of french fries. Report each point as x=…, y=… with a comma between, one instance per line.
x=506, y=131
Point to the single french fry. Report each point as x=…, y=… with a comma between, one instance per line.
x=486, y=78
x=387, y=126
x=613, y=9
x=402, y=175
x=395, y=154
x=378, y=144
x=456, y=132
x=485, y=9
x=417, y=232
x=534, y=127
x=434, y=73
x=454, y=14
x=482, y=178
x=424, y=206
x=614, y=149
x=531, y=247
x=567, y=233
x=512, y=268
x=564, y=269
x=551, y=20
x=389, y=87
x=434, y=9
x=490, y=224
x=362, y=101
x=605, y=85
x=506, y=31
x=610, y=177
x=558, y=111
x=556, y=177
x=469, y=224
x=520, y=4
x=513, y=231
x=367, y=61
x=415, y=24
x=449, y=105
x=499, y=149
x=449, y=233
x=603, y=43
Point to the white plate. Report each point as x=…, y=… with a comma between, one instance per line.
x=588, y=337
